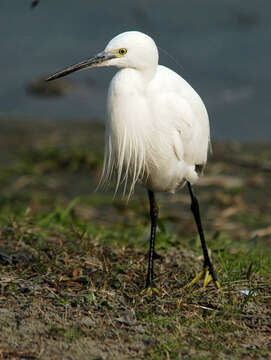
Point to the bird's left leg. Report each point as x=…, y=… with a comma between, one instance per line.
x=154, y=210
x=208, y=271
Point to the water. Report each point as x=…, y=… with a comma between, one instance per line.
x=221, y=47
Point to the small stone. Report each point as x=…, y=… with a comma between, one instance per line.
x=128, y=317
x=88, y=322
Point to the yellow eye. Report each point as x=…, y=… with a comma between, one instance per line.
x=122, y=51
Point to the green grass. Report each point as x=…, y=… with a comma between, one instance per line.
x=73, y=262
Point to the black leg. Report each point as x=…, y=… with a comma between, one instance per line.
x=196, y=213
x=154, y=210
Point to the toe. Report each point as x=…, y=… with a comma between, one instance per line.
x=207, y=278
x=149, y=291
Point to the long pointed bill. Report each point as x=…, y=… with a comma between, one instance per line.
x=97, y=60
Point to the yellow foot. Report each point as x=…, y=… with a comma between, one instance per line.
x=207, y=278
x=149, y=291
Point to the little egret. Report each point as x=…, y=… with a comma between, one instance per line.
x=157, y=130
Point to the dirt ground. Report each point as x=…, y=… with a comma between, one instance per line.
x=73, y=261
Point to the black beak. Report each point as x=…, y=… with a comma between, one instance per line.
x=97, y=60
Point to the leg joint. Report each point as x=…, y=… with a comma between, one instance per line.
x=154, y=211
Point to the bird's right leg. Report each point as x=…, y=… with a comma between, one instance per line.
x=208, y=272
x=154, y=210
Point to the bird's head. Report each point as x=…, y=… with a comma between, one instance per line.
x=131, y=49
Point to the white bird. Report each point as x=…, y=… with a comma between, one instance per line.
x=157, y=130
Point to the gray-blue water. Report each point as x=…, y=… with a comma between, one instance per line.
x=222, y=47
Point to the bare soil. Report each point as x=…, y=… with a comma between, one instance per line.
x=73, y=262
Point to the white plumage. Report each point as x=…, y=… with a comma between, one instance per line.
x=157, y=126
x=157, y=130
